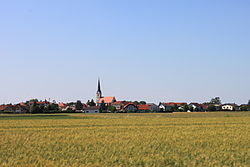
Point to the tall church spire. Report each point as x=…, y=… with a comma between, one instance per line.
x=99, y=86
x=99, y=92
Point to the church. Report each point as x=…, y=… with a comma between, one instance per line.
x=108, y=100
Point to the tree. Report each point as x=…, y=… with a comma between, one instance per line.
x=54, y=106
x=50, y=107
x=71, y=104
x=215, y=100
x=91, y=103
x=33, y=100
x=143, y=102
x=244, y=108
x=211, y=108
x=103, y=107
x=34, y=108
x=191, y=108
x=79, y=105
x=111, y=108
x=185, y=108
x=248, y=105
x=136, y=103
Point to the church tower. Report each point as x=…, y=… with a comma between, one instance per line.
x=99, y=92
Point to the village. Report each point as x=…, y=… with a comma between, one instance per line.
x=109, y=104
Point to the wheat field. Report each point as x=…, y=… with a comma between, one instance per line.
x=104, y=140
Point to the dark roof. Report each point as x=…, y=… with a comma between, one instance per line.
x=231, y=104
x=129, y=105
x=92, y=108
x=173, y=104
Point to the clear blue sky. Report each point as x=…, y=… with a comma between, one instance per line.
x=142, y=50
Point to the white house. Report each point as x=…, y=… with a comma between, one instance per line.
x=92, y=109
x=228, y=107
x=165, y=107
x=196, y=106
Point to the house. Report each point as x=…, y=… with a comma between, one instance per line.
x=62, y=106
x=69, y=107
x=106, y=100
x=217, y=107
x=8, y=108
x=21, y=108
x=172, y=106
x=40, y=103
x=195, y=106
x=149, y=107
x=2, y=108
x=228, y=107
x=243, y=107
x=143, y=108
x=124, y=106
x=14, y=108
x=153, y=107
x=130, y=107
x=119, y=105
x=92, y=109
x=204, y=106
x=165, y=107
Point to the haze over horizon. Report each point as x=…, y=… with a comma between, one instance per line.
x=157, y=51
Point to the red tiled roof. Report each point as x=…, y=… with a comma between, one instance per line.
x=204, y=106
x=2, y=107
x=173, y=104
x=106, y=100
x=129, y=104
x=196, y=104
x=121, y=102
x=22, y=104
x=62, y=105
x=143, y=107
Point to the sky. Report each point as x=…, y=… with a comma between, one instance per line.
x=152, y=50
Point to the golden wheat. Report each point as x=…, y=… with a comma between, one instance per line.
x=181, y=139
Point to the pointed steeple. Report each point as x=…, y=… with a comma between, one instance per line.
x=99, y=86
x=99, y=92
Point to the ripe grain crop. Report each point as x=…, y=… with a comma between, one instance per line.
x=177, y=139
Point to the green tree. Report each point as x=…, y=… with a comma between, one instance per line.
x=54, y=106
x=215, y=100
x=185, y=108
x=191, y=108
x=33, y=100
x=71, y=104
x=143, y=102
x=248, y=105
x=136, y=103
x=79, y=105
x=111, y=108
x=91, y=103
x=211, y=108
x=50, y=107
x=103, y=107
x=34, y=108
x=243, y=108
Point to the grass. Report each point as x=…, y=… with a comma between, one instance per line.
x=177, y=139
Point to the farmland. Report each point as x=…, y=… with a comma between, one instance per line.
x=177, y=139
